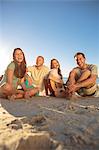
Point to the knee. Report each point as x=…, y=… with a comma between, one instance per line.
x=8, y=88
x=72, y=73
x=87, y=73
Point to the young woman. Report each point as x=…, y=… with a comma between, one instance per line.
x=13, y=76
x=54, y=81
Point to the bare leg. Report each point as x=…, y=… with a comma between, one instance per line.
x=53, y=85
x=72, y=81
x=86, y=73
x=6, y=90
x=61, y=94
x=72, y=78
x=49, y=85
x=31, y=92
x=15, y=96
x=46, y=85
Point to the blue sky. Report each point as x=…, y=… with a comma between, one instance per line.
x=53, y=29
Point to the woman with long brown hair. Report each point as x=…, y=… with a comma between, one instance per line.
x=13, y=77
x=54, y=81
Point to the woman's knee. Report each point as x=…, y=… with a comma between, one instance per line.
x=7, y=88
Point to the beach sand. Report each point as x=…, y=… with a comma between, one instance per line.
x=48, y=123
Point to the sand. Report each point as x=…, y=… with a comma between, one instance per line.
x=48, y=123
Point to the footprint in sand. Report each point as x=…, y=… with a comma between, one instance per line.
x=15, y=124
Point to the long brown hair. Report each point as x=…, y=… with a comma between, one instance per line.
x=20, y=70
x=51, y=64
x=59, y=70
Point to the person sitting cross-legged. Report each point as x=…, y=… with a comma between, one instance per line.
x=13, y=76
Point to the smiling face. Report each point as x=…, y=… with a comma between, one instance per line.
x=20, y=63
x=18, y=56
x=80, y=60
x=39, y=61
x=55, y=64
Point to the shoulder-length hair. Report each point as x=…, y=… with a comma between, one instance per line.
x=20, y=70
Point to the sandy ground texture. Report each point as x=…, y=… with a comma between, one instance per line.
x=48, y=123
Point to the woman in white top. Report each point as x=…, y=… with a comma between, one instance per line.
x=54, y=81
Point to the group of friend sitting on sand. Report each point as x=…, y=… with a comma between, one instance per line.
x=22, y=81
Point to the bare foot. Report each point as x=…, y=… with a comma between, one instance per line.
x=12, y=97
x=15, y=96
x=30, y=93
x=27, y=95
x=73, y=97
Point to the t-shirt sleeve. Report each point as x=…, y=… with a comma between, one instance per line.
x=47, y=70
x=29, y=70
x=11, y=66
x=94, y=69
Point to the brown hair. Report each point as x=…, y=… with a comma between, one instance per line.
x=79, y=53
x=51, y=64
x=59, y=70
x=20, y=70
x=40, y=57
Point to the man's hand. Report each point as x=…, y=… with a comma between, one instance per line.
x=72, y=88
